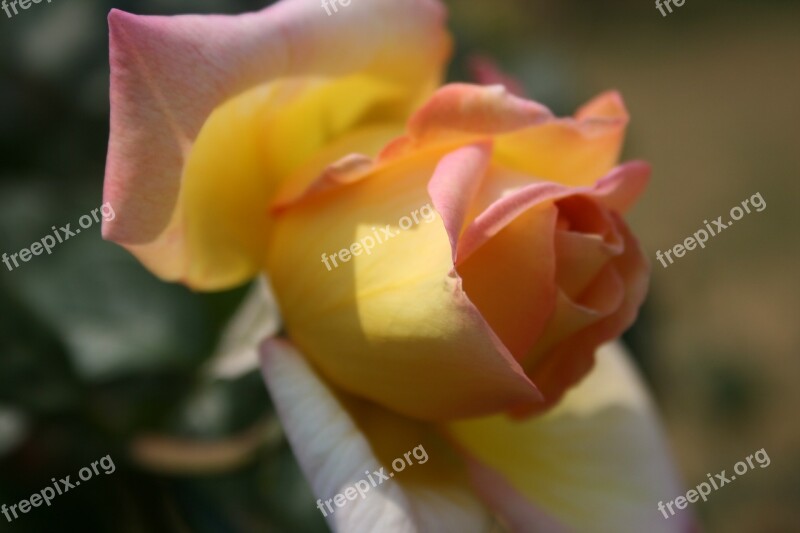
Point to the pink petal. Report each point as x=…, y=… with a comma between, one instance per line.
x=169, y=73
x=454, y=185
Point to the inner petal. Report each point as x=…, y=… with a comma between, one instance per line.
x=586, y=239
x=511, y=278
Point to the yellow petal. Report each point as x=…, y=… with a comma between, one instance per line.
x=597, y=462
x=391, y=323
x=573, y=151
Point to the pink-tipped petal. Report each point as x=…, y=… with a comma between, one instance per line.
x=170, y=75
x=454, y=185
x=458, y=111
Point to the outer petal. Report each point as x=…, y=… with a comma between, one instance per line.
x=338, y=441
x=170, y=73
x=597, y=461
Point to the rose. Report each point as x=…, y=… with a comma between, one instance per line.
x=530, y=269
x=242, y=144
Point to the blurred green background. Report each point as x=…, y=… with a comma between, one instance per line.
x=98, y=357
